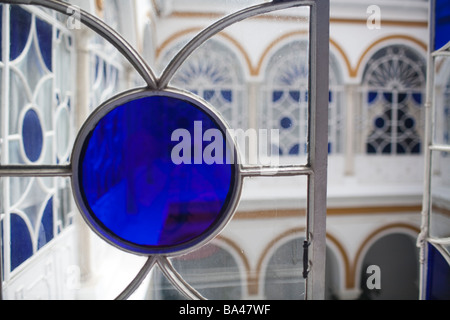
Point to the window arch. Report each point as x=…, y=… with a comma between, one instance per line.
x=285, y=105
x=214, y=73
x=285, y=92
x=397, y=256
x=393, y=94
x=283, y=274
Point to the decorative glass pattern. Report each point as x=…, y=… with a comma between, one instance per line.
x=394, y=81
x=174, y=103
x=39, y=94
x=135, y=193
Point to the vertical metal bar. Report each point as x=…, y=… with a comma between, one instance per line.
x=2, y=138
x=6, y=255
x=318, y=148
x=426, y=201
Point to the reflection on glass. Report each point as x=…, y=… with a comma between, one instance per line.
x=283, y=274
x=259, y=255
x=211, y=270
x=442, y=101
x=440, y=195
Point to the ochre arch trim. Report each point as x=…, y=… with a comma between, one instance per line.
x=269, y=48
x=355, y=71
x=254, y=70
x=223, y=34
x=230, y=243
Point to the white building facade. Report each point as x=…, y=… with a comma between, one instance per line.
x=255, y=73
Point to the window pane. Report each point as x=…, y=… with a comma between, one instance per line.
x=206, y=12
x=284, y=102
x=212, y=270
x=259, y=253
x=440, y=195
x=394, y=83
x=442, y=101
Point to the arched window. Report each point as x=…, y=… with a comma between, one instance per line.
x=285, y=105
x=214, y=73
x=285, y=92
x=393, y=84
x=397, y=257
x=283, y=276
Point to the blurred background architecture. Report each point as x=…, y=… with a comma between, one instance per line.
x=54, y=73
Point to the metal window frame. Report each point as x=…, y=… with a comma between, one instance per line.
x=425, y=236
x=315, y=169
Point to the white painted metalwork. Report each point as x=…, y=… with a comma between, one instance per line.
x=433, y=149
x=317, y=130
x=33, y=84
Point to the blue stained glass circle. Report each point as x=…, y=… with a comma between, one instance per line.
x=130, y=189
x=286, y=123
x=32, y=135
x=379, y=122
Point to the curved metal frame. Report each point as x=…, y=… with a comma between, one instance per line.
x=315, y=170
x=79, y=146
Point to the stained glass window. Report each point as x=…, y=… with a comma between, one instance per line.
x=128, y=190
x=162, y=193
x=394, y=82
x=38, y=130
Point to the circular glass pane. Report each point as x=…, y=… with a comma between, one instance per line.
x=153, y=172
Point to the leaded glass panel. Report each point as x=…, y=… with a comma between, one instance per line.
x=38, y=130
